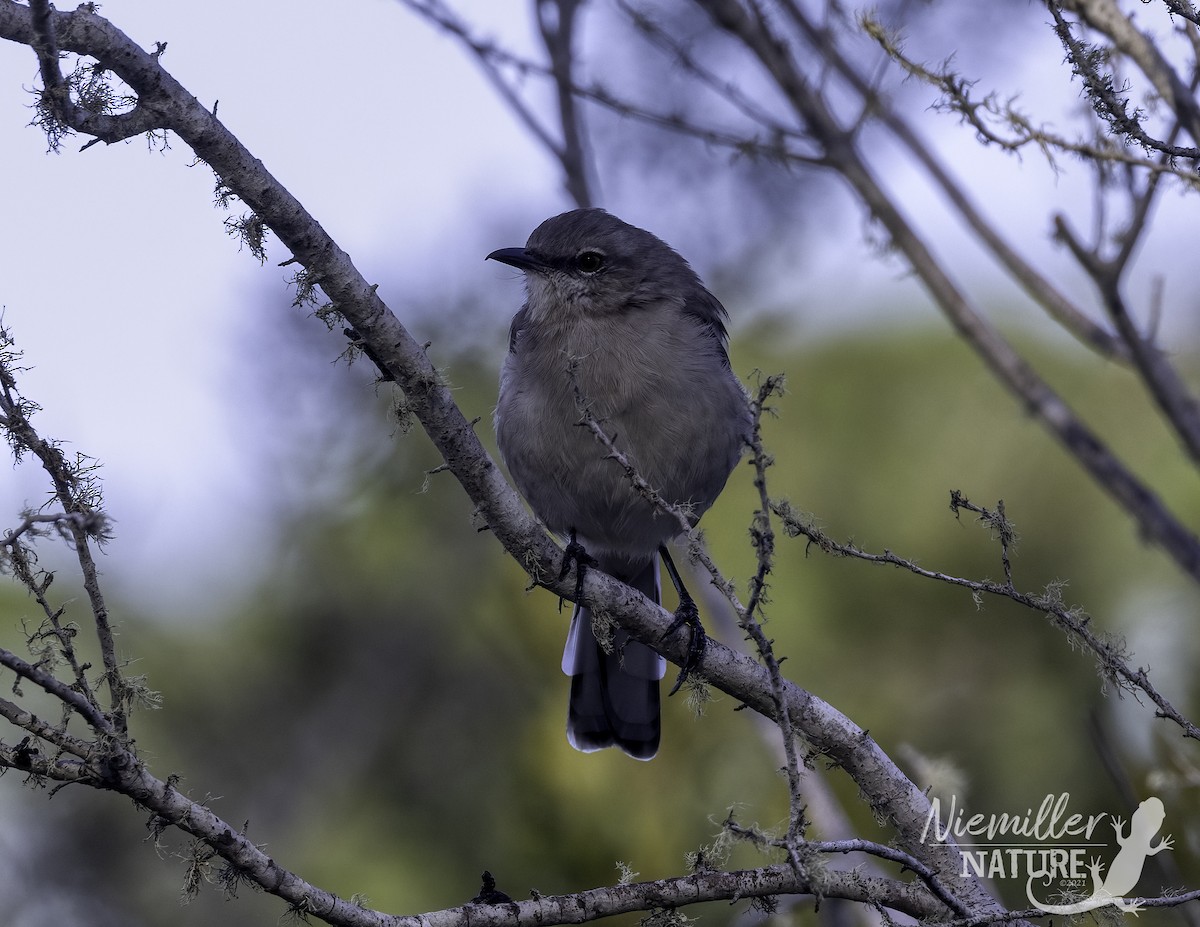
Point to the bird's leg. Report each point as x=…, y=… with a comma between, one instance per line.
x=685, y=614
x=575, y=553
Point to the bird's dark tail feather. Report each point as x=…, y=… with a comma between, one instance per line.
x=614, y=696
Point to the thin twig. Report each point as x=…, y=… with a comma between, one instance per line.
x=1110, y=105
x=1073, y=621
x=556, y=21
x=890, y=794
x=1107, y=18
x=1167, y=387
x=1035, y=284
x=763, y=538
x=55, y=687
x=556, y=30
x=869, y=847
x=79, y=499
x=43, y=730
x=1154, y=519
x=30, y=521
x=494, y=59
x=681, y=514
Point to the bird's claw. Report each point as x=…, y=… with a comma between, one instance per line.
x=575, y=553
x=688, y=614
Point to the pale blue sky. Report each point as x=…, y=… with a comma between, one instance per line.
x=128, y=298
x=126, y=295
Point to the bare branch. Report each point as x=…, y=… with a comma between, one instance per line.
x=709, y=885
x=1111, y=659
x=494, y=60
x=90, y=523
x=28, y=721
x=1184, y=9
x=726, y=90
x=78, y=702
x=556, y=23
x=892, y=854
x=892, y=797
x=1162, y=901
x=762, y=535
x=1180, y=408
x=1041, y=290
x=1154, y=519
x=78, y=495
x=996, y=121
x=783, y=706
x=1108, y=19
x=28, y=759
x=58, y=112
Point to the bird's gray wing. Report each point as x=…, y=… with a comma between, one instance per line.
x=514, y=330
x=705, y=308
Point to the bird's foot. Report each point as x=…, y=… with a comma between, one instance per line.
x=575, y=553
x=688, y=614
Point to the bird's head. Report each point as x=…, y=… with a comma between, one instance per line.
x=590, y=263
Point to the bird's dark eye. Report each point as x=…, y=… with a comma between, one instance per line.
x=589, y=261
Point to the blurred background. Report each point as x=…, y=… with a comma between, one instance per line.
x=352, y=669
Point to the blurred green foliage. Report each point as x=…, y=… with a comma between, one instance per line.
x=385, y=711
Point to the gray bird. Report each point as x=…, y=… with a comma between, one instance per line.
x=615, y=313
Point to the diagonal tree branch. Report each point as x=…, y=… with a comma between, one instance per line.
x=109, y=762
x=1035, y=284
x=556, y=21
x=1108, y=19
x=556, y=25
x=1154, y=519
x=1110, y=656
x=1179, y=407
x=82, y=521
x=892, y=797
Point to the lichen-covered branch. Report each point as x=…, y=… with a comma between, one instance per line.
x=842, y=154
x=1111, y=659
x=891, y=795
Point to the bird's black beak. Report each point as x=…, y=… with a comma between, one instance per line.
x=518, y=258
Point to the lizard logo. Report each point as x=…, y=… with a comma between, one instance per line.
x=1126, y=867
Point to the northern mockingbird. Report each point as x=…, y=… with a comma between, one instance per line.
x=615, y=316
